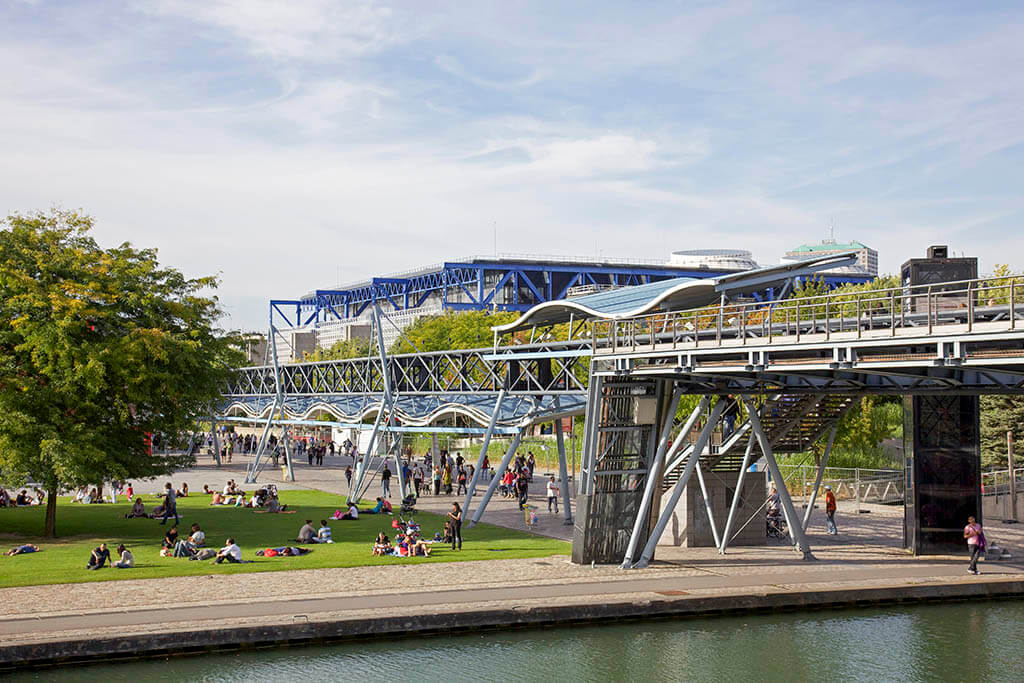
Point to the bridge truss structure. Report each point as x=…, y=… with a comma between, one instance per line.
x=795, y=367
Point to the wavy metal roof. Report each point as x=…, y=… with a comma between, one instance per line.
x=671, y=295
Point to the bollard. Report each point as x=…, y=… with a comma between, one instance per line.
x=1013, y=479
x=856, y=478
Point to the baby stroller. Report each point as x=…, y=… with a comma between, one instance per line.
x=409, y=529
x=776, y=527
x=409, y=504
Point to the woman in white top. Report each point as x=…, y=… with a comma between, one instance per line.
x=127, y=560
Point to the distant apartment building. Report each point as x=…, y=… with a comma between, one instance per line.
x=867, y=258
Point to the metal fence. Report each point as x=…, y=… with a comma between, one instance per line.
x=857, y=484
x=921, y=307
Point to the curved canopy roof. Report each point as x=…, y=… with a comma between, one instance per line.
x=670, y=295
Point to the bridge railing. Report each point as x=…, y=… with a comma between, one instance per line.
x=848, y=314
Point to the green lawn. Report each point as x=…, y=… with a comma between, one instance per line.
x=83, y=527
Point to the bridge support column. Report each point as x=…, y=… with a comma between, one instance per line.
x=471, y=489
x=737, y=497
x=795, y=527
x=496, y=478
x=563, y=471
x=943, y=465
x=818, y=477
x=691, y=464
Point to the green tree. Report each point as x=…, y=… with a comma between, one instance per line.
x=99, y=348
x=452, y=330
x=999, y=415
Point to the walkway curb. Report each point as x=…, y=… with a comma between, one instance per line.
x=63, y=652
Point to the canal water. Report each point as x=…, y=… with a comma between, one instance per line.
x=955, y=642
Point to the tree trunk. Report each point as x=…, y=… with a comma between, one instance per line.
x=51, y=514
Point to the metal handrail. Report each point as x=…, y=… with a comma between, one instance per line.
x=961, y=302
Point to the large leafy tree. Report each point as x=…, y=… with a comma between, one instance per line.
x=99, y=349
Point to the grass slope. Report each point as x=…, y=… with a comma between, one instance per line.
x=83, y=527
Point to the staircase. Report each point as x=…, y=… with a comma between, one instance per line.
x=792, y=422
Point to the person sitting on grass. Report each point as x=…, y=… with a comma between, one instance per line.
x=206, y=489
x=284, y=551
x=353, y=512
x=382, y=546
x=40, y=496
x=306, y=533
x=98, y=557
x=383, y=506
x=323, y=534
x=5, y=498
x=138, y=509
x=22, y=550
x=274, y=505
x=171, y=538
x=183, y=491
x=188, y=547
x=127, y=560
x=22, y=500
x=229, y=553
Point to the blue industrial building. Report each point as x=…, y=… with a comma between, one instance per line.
x=508, y=282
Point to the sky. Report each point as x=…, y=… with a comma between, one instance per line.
x=289, y=146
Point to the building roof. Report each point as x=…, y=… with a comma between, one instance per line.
x=675, y=294
x=826, y=246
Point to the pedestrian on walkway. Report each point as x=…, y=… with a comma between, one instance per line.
x=455, y=518
x=975, y=543
x=385, y=482
x=462, y=482
x=552, y=491
x=830, y=511
x=348, y=475
x=437, y=481
x=417, y=479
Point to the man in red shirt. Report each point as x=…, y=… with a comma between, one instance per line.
x=830, y=511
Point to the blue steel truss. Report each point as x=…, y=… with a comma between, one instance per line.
x=483, y=285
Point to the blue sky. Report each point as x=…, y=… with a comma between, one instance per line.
x=287, y=144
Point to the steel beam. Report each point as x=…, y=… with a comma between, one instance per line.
x=496, y=478
x=563, y=471
x=677, y=491
x=821, y=473
x=707, y=503
x=795, y=528
x=737, y=494
x=654, y=472
x=471, y=489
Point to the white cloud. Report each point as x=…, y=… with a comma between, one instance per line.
x=281, y=29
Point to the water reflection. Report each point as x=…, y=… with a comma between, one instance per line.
x=944, y=642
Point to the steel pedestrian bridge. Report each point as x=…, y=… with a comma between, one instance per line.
x=795, y=365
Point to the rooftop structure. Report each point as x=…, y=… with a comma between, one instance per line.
x=867, y=258
x=502, y=282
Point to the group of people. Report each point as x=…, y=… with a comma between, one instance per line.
x=22, y=499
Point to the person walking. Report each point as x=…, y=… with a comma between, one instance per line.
x=830, y=511
x=552, y=493
x=437, y=481
x=170, y=504
x=348, y=475
x=385, y=482
x=975, y=543
x=455, y=518
x=462, y=482
x=417, y=479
